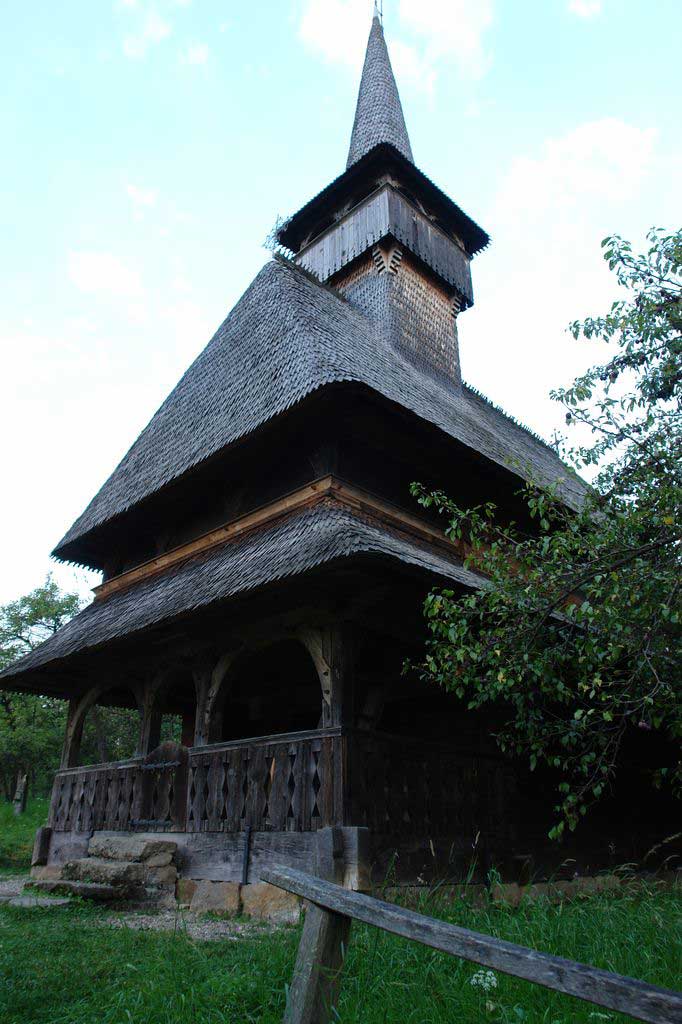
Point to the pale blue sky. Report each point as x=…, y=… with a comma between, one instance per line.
x=150, y=146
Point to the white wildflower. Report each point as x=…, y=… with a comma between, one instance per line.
x=486, y=980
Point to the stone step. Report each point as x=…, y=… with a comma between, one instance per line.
x=155, y=852
x=38, y=902
x=86, y=890
x=123, y=874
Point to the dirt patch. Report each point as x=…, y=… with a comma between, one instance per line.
x=194, y=926
x=12, y=885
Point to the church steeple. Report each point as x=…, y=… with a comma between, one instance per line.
x=384, y=236
x=379, y=114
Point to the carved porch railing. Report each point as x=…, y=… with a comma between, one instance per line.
x=296, y=782
x=273, y=783
x=290, y=782
x=404, y=786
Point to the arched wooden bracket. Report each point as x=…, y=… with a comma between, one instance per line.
x=78, y=709
x=314, y=642
x=209, y=683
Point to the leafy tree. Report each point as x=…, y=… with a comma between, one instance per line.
x=31, y=726
x=577, y=637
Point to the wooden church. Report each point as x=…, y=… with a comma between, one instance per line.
x=264, y=565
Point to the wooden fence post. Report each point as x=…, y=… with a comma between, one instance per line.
x=315, y=985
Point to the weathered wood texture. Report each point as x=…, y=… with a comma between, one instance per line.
x=278, y=783
x=274, y=783
x=405, y=787
x=310, y=494
x=612, y=991
x=388, y=212
x=314, y=989
x=41, y=846
x=142, y=793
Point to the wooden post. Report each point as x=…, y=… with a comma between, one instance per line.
x=612, y=991
x=339, y=654
x=41, y=846
x=315, y=985
x=20, y=793
x=151, y=729
x=72, y=734
x=333, y=652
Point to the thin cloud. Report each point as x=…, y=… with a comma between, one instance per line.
x=545, y=268
x=152, y=31
x=142, y=196
x=195, y=54
x=450, y=29
x=424, y=34
x=101, y=272
x=585, y=8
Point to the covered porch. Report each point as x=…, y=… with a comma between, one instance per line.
x=235, y=799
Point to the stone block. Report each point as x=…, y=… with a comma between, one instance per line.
x=266, y=902
x=46, y=872
x=184, y=891
x=165, y=876
x=509, y=893
x=159, y=860
x=108, y=872
x=41, y=903
x=216, y=898
x=85, y=890
x=129, y=848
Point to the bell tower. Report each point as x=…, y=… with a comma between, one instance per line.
x=385, y=236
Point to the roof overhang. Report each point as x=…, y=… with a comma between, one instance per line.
x=359, y=180
x=386, y=213
x=323, y=526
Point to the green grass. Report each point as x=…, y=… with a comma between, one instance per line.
x=62, y=967
x=17, y=835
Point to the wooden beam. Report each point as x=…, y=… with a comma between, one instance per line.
x=613, y=991
x=311, y=494
x=214, y=538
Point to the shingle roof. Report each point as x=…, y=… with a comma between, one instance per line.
x=379, y=161
x=306, y=539
x=286, y=337
x=379, y=113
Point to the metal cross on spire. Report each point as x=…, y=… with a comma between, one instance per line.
x=379, y=10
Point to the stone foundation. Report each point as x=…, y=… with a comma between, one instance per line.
x=512, y=894
x=257, y=900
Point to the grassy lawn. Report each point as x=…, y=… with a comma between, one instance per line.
x=63, y=967
x=17, y=835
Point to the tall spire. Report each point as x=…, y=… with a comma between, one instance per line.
x=379, y=113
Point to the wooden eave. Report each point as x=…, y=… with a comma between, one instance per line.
x=365, y=172
x=311, y=494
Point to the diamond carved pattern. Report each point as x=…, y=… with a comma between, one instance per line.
x=276, y=786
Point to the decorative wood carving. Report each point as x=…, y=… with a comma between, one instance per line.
x=272, y=783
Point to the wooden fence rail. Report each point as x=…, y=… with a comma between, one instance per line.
x=312, y=996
